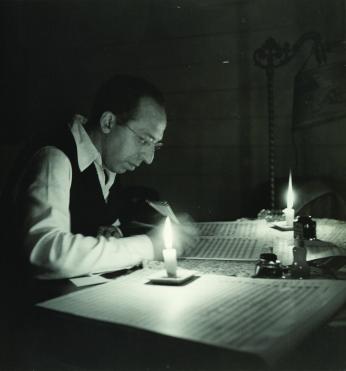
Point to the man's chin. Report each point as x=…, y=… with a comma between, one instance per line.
x=121, y=169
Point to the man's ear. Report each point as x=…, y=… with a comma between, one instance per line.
x=107, y=122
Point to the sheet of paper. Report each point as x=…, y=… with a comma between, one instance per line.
x=239, y=229
x=259, y=316
x=332, y=230
x=317, y=249
x=224, y=248
x=240, y=240
x=247, y=239
x=88, y=280
x=163, y=208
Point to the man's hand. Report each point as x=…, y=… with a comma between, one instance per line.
x=109, y=231
x=185, y=236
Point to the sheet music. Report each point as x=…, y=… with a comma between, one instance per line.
x=227, y=240
x=317, y=249
x=239, y=229
x=224, y=248
x=215, y=310
x=331, y=230
x=247, y=239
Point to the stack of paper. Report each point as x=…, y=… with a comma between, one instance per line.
x=239, y=240
x=247, y=239
x=260, y=316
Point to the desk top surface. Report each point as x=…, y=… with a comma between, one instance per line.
x=204, y=310
x=242, y=314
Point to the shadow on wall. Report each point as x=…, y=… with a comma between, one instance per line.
x=8, y=154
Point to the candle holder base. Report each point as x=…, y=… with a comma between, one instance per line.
x=271, y=216
x=161, y=278
x=282, y=226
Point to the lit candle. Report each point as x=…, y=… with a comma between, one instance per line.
x=169, y=253
x=289, y=211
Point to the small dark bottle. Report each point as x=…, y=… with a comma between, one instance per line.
x=300, y=268
x=268, y=266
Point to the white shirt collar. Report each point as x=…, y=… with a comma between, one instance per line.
x=87, y=153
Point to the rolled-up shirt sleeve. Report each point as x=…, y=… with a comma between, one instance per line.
x=50, y=246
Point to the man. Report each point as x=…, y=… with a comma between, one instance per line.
x=68, y=188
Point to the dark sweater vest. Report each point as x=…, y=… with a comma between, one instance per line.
x=88, y=209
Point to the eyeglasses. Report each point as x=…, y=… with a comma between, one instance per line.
x=145, y=142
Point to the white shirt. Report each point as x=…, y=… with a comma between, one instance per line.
x=88, y=154
x=48, y=239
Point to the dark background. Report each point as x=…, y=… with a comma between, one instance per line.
x=55, y=54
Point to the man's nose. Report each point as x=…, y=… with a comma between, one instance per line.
x=148, y=155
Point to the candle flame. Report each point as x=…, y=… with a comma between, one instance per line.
x=167, y=233
x=290, y=194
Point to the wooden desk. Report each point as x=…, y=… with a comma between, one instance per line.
x=45, y=340
x=83, y=342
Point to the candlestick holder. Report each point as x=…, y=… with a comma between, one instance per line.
x=276, y=218
x=305, y=228
x=271, y=215
x=282, y=226
x=182, y=276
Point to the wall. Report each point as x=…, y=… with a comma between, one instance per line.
x=199, y=52
x=321, y=143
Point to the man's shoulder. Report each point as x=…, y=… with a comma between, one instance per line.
x=48, y=149
x=44, y=141
x=51, y=154
x=49, y=161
